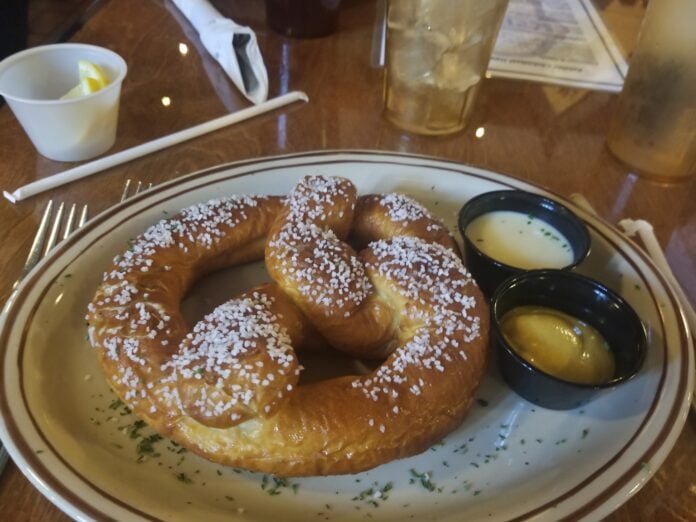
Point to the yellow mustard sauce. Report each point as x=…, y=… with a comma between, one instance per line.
x=559, y=344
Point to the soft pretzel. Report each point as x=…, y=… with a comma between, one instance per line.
x=228, y=389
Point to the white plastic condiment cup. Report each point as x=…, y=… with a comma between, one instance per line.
x=33, y=81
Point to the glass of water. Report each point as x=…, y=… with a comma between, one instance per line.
x=437, y=52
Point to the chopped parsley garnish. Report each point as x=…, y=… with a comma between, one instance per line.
x=182, y=477
x=272, y=485
x=373, y=494
x=133, y=430
x=277, y=484
x=463, y=448
x=116, y=404
x=364, y=494
x=423, y=478
x=146, y=445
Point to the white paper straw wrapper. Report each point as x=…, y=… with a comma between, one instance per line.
x=645, y=232
x=138, y=151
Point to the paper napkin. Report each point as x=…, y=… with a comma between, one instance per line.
x=233, y=46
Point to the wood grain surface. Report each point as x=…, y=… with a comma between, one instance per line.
x=548, y=135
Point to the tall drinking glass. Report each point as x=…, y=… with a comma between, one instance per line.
x=654, y=128
x=437, y=52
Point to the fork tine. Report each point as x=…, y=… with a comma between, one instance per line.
x=41, y=246
x=83, y=217
x=125, y=194
x=70, y=221
x=126, y=188
x=55, y=229
x=37, y=244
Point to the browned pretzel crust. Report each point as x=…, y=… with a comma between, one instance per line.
x=228, y=388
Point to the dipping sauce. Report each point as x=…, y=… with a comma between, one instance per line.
x=559, y=344
x=520, y=240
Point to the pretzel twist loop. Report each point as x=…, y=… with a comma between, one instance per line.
x=228, y=388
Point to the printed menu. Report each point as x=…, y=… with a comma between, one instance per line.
x=563, y=42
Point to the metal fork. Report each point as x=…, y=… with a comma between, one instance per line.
x=138, y=188
x=45, y=239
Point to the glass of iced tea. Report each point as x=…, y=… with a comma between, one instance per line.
x=654, y=127
x=437, y=52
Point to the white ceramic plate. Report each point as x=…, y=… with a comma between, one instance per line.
x=509, y=460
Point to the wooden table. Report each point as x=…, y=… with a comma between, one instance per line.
x=561, y=149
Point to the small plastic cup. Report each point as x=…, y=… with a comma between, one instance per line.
x=33, y=81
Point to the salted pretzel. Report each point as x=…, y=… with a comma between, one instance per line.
x=228, y=388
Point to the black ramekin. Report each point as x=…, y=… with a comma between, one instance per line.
x=583, y=298
x=489, y=272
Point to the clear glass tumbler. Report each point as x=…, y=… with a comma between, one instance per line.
x=437, y=52
x=654, y=127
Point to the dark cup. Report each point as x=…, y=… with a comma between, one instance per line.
x=302, y=18
x=580, y=297
x=489, y=272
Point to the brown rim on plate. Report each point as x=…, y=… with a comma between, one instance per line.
x=59, y=489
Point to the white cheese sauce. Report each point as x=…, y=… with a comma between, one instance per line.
x=520, y=240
